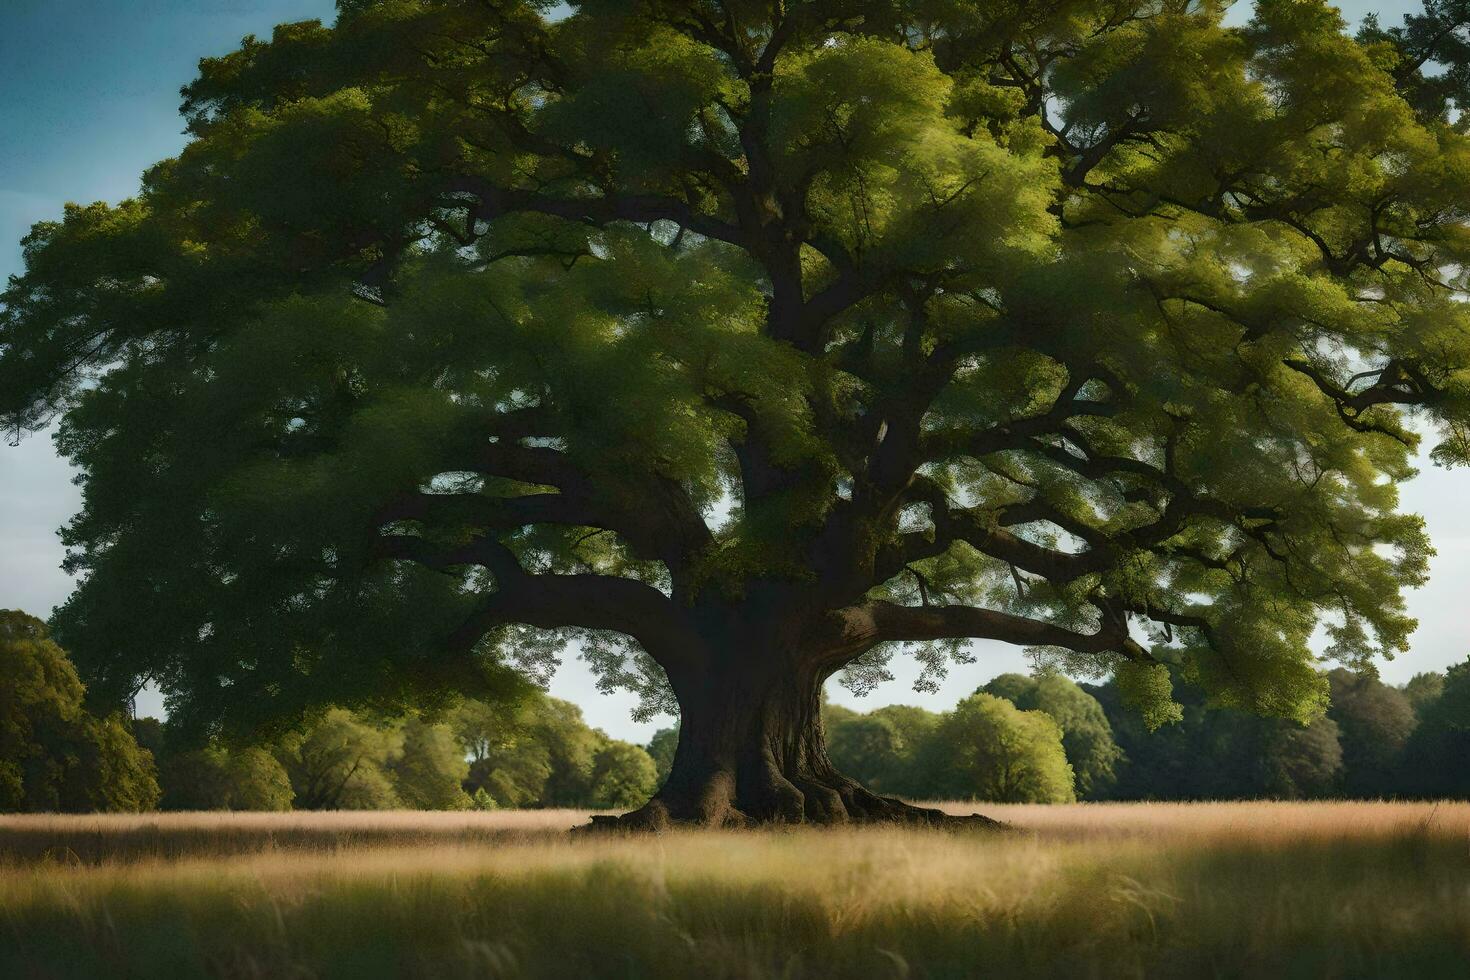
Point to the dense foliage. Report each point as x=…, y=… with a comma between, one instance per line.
x=1017, y=739
x=995, y=745
x=1438, y=751
x=1086, y=735
x=54, y=753
x=535, y=753
x=988, y=749
x=1369, y=744
x=215, y=777
x=541, y=753
x=882, y=747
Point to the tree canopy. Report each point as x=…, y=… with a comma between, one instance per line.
x=220, y=778
x=1216, y=752
x=748, y=342
x=430, y=770
x=981, y=750
x=535, y=753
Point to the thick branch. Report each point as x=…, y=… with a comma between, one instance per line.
x=879, y=621
x=600, y=602
x=495, y=201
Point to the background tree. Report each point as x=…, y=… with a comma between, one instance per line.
x=54, y=754
x=867, y=748
x=196, y=779
x=212, y=776
x=429, y=770
x=514, y=774
x=505, y=760
x=1438, y=753
x=915, y=727
x=341, y=762
x=1423, y=690
x=1086, y=735
x=987, y=749
x=623, y=776
x=1301, y=761
x=541, y=752
x=661, y=749
x=752, y=342
x=258, y=781
x=571, y=747
x=219, y=778
x=151, y=734
x=1431, y=57
x=481, y=728
x=1375, y=722
x=1215, y=752
x=882, y=748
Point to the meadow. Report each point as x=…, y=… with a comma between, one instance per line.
x=1259, y=889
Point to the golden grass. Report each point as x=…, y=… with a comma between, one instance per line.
x=1090, y=890
x=92, y=838
x=1259, y=822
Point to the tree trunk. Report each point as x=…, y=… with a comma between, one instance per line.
x=752, y=751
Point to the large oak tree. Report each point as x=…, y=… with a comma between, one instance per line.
x=749, y=341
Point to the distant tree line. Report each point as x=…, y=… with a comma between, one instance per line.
x=1375, y=740
x=1049, y=740
x=536, y=753
x=1024, y=739
x=1016, y=739
x=56, y=755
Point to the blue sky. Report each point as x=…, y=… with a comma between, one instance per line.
x=90, y=99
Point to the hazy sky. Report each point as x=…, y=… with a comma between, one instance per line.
x=89, y=99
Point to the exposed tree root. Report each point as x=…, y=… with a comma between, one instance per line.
x=785, y=801
x=752, y=753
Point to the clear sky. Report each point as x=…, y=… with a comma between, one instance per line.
x=89, y=99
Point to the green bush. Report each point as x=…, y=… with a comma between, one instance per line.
x=1086, y=735
x=988, y=749
x=54, y=753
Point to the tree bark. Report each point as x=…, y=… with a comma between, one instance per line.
x=752, y=751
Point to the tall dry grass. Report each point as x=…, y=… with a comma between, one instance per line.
x=92, y=838
x=1253, y=889
x=1261, y=822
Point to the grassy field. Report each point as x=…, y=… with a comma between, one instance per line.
x=1268, y=890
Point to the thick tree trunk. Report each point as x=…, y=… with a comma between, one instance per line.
x=752, y=751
